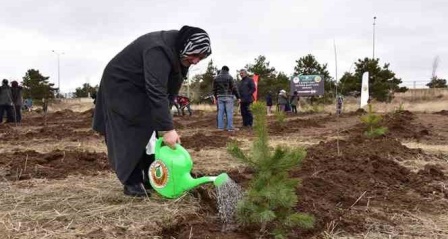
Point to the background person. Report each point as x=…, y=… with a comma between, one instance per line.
x=246, y=90
x=224, y=89
x=6, y=102
x=17, y=101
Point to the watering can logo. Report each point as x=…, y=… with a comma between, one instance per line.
x=170, y=176
x=159, y=174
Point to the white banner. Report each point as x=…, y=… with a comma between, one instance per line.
x=364, y=89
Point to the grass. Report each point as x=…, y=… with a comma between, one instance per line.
x=83, y=207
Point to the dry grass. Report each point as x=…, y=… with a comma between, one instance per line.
x=83, y=207
x=42, y=146
x=405, y=225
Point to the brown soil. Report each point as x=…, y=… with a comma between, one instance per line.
x=347, y=189
x=442, y=112
x=200, y=141
x=54, y=165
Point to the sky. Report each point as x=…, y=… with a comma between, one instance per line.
x=85, y=35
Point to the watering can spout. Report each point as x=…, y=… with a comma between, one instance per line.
x=216, y=180
x=195, y=182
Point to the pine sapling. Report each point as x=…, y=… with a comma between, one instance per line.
x=373, y=124
x=271, y=196
x=280, y=116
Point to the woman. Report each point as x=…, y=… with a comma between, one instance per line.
x=134, y=97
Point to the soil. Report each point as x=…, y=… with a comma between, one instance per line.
x=54, y=165
x=200, y=141
x=345, y=188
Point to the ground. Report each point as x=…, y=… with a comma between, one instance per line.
x=55, y=181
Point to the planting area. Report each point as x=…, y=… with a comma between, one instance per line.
x=55, y=181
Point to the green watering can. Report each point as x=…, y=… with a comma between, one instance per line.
x=170, y=174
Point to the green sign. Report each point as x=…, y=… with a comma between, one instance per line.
x=307, y=85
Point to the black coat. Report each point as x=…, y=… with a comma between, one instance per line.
x=133, y=97
x=246, y=89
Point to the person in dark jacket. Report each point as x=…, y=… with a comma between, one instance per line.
x=246, y=89
x=133, y=99
x=225, y=90
x=294, y=102
x=17, y=100
x=6, y=102
x=269, y=102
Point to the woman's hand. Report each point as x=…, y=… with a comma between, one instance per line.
x=170, y=138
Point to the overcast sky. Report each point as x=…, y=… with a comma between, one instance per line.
x=409, y=34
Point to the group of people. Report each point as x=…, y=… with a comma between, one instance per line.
x=225, y=91
x=11, y=102
x=284, y=103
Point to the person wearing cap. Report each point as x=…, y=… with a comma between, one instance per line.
x=246, y=89
x=133, y=99
x=224, y=90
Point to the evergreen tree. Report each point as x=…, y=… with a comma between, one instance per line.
x=268, y=80
x=437, y=83
x=36, y=86
x=206, y=79
x=85, y=90
x=261, y=67
x=382, y=81
x=372, y=122
x=270, y=200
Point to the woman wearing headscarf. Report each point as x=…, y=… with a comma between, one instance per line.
x=134, y=97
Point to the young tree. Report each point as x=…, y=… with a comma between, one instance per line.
x=308, y=65
x=270, y=199
x=382, y=81
x=36, y=86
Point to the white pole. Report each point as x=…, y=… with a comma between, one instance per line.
x=59, y=71
x=374, y=19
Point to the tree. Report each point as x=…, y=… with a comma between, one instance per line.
x=261, y=67
x=36, y=86
x=382, y=81
x=271, y=197
x=437, y=83
x=308, y=65
x=268, y=80
x=85, y=90
x=205, y=80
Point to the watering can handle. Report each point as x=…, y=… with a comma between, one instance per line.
x=158, y=146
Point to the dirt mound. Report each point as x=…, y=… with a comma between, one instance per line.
x=364, y=175
x=200, y=141
x=442, y=112
x=54, y=165
x=401, y=125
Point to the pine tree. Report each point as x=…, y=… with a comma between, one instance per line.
x=37, y=86
x=373, y=124
x=270, y=200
